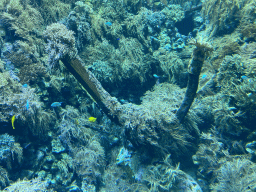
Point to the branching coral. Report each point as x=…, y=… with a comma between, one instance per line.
x=209, y=152
x=28, y=110
x=155, y=124
x=10, y=151
x=230, y=72
x=24, y=56
x=63, y=169
x=222, y=14
x=171, y=65
x=32, y=73
x=28, y=185
x=4, y=180
x=22, y=19
x=236, y=175
x=71, y=128
x=61, y=41
x=226, y=117
x=52, y=10
x=145, y=25
x=164, y=177
x=89, y=160
x=116, y=179
x=249, y=31
x=79, y=22
x=121, y=65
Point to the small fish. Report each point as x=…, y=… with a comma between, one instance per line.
x=108, y=23
x=117, y=39
x=27, y=105
x=252, y=96
x=56, y=104
x=77, y=122
x=25, y=86
x=156, y=76
x=123, y=101
x=92, y=119
x=13, y=119
x=244, y=77
x=26, y=145
x=204, y=76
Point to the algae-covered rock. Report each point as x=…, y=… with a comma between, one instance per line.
x=251, y=147
x=4, y=79
x=57, y=147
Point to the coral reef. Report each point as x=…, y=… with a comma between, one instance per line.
x=89, y=160
x=4, y=180
x=162, y=120
x=51, y=10
x=222, y=14
x=10, y=151
x=115, y=179
x=236, y=175
x=28, y=185
x=209, y=152
x=27, y=109
x=144, y=122
x=78, y=21
x=21, y=20
x=172, y=66
x=60, y=42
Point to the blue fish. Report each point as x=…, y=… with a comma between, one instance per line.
x=156, y=76
x=108, y=23
x=56, y=104
x=244, y=77
x=27, y=105
x=25, y=85
x=123, y=101
x=204, y=76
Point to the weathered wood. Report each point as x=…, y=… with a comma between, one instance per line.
x=91, y=84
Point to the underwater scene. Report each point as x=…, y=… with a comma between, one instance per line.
x=128, y=95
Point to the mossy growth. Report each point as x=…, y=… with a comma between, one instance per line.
x=4, y=179
x=35, y=184
x=171, y=66
x=249, y=31
x=235, y=175
x=52, y=10
x=223, y=14
x=28, y=110
x=127, y=63
x=155, y=123
x=21, y=18
x=226, y=45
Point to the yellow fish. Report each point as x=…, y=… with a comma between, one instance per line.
x=76, y=122
x=13, y=119
x=92, y=119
